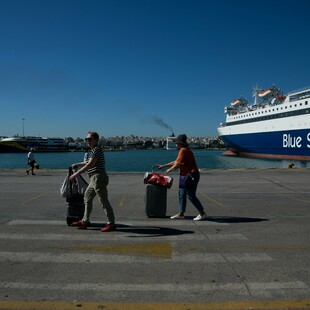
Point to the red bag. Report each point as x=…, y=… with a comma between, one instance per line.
x=158, y=179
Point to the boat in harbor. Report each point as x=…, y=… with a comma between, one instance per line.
x=19, y=144
x=273, y=126
x=170, y=144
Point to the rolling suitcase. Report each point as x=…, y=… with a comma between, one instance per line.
x=156, y=193
x=155, y=200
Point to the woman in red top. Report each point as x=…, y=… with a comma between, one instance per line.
x=189, y=178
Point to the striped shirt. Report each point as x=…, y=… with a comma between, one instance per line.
x=98, y=155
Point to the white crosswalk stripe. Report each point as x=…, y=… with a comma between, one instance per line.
x=98, y=237
x=155, y=287
x=153, y=222
x=39, y=257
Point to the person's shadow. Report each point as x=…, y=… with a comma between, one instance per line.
x=144, y=231
x=233, y=219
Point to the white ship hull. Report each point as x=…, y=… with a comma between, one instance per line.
x=272, y=131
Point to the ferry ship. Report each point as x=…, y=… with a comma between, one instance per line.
x=170, y=142
x=24, y=144
x=273, y=126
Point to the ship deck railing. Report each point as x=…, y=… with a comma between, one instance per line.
x=298, y=90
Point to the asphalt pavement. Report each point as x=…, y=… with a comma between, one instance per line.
x=252, y=252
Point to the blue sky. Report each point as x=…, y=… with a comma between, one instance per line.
x=120, y=67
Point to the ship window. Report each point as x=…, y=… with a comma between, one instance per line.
x=306, y=103
x=260, y=118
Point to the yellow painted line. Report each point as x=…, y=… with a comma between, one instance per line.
x=158, y=250
x=213, y=200
x=241, y=305
x=283, y=248
x=293, y=198
x=34, y=198
x=122, y=200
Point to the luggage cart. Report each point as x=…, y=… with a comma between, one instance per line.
x=74, y=200
x=75, y=208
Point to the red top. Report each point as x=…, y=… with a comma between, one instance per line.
x=186, y=161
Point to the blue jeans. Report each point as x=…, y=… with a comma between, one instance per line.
x=190, y=192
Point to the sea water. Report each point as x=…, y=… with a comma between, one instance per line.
x=143, y=160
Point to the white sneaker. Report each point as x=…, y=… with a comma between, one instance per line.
x=200, y=217
x=177, y=216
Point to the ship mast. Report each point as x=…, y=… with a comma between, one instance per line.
x=255, y=95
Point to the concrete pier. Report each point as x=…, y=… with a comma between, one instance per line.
x=251, y=253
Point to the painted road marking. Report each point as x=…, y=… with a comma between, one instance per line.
x=40, y=257
x=226, y=237
x=283, y=248
x=212, y=199
x=35, y=222
x=119, y=236
x=295, y=198
x=237, y=305
x=172, y=287
x=150, y=222
x=35, y=198
x=121, y=202
x=158, y=250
